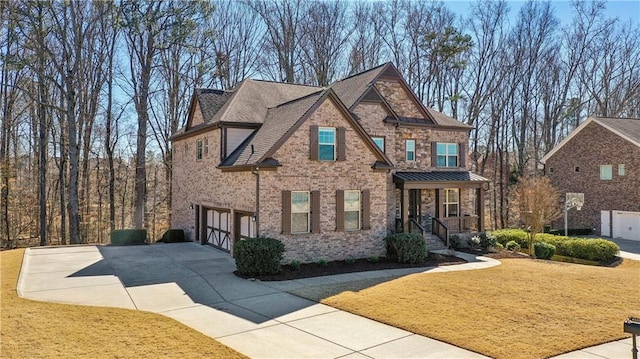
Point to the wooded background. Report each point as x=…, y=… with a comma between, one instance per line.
x=92, y=90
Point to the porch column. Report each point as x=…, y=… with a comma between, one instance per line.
x=404, y=209
x=480, y=208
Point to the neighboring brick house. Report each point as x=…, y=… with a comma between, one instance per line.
x=330, y=171
x=601, y=158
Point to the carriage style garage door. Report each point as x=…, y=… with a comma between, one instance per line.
x=218, y=228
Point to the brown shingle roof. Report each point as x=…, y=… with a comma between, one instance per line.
x=629, y=127
x=252, y=98
x=211, y=101
x=279, y=120
x=350, y=89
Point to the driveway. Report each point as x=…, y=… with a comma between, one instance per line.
x=195, y=285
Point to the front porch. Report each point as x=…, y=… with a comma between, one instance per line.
x=440, y=203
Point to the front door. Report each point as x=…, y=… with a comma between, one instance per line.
x=414, y=204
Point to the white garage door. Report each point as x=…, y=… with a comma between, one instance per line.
x=626, y=225
x=605, y=223
x=218, y=229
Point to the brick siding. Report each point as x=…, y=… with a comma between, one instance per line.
x=588, y=149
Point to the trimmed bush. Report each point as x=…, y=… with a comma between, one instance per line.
x=503, y=236
x=259, y=256
x=599, y=250
x=126, y=237
x=173, y=235
x=513, y=246
x=572, y=231
x=406, y=247
x=544, y=250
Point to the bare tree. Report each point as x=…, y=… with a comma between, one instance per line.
x=284, y=21
x=538, y=203
x=326, y=32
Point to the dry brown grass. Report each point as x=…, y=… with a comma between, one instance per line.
x=32, y=329
x=520, y=309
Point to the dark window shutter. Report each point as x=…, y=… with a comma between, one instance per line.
x=366, y=209
x=462, y=158
x=315, y=211
x=434, y=154
x=313, y=142
x=286, y=212
x=342, y=144
x=339, y=210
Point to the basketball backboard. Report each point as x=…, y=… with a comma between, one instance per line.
x=574, y=200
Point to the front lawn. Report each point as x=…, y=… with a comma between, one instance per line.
x=32, y=329
x=520, y=309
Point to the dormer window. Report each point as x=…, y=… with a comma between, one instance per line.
x=447, y=155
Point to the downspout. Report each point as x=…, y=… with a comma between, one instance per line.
x=256, y=172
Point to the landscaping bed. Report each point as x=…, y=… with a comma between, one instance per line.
x=308, y=270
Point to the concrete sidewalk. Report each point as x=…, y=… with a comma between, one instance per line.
x=195, y=285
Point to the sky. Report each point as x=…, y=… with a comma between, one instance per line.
x=624, y=10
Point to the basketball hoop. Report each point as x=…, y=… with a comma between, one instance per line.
x=572, y=200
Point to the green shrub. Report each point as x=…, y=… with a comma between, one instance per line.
x=173, y=235
x=544, y=250
x=487, y=240
x=125, y=237
x=503, y=236
x=259, y=256
x=499, y=245
x=513, y=246
x=295, y=264
x=373, y=259
x=454, y=241
x=572, y=231
x=350, y=260
x=323, y=262
x=599, y=250
x=406, y=247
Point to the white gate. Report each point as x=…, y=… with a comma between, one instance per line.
x=605, y=223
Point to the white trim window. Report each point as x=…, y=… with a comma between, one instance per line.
x=451, y=202
x=410, y=150
x=300, y=208
x=606, y=172
x=622, y=170
x=352, y=210
x=447, y=154
x=326, y=144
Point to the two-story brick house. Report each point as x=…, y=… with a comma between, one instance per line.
x=601, y=158
x=330, y=171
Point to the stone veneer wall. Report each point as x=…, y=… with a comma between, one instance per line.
x=591, y=147
x=298, y=173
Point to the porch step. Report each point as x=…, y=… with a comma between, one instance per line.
x=434, y=243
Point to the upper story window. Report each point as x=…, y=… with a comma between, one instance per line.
x=621, y=170
x=300, y=209
x=326, y=144
x=379, y=141
x=410, y=150
x=447, y=154
x=352, y=210
x=198, y=150
x=606, y=172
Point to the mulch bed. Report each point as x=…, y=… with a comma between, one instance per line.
x=308, y=270
x=494, y=253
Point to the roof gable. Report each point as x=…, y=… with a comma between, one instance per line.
x=283, y=120
x=626, y=128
